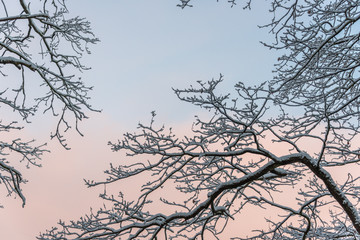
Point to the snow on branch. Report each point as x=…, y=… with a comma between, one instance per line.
x=45, y=46
x=280, y=140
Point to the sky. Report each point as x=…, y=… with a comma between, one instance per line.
x=146, y=49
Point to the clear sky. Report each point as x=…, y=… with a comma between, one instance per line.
x=147, y=47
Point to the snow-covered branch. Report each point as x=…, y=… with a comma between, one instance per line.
x=45, y=46
x=279, y=140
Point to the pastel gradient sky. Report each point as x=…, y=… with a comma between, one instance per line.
x=147, y=47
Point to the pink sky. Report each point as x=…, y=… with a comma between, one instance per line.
x=57, y=191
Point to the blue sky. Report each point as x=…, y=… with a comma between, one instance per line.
x=147, y=47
